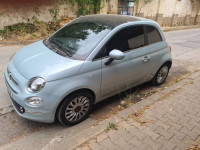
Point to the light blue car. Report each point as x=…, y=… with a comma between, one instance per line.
x=88, y=60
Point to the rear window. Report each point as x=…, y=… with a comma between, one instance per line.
x=153, y=35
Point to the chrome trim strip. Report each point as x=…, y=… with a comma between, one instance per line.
x=10, y=86
x=33, y=113
x=11, y=77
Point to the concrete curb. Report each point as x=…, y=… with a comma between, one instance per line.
x=165, y=29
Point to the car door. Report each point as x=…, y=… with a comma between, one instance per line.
x=158, y=48
x=133, y=69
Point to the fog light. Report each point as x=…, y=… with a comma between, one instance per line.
x=34, y=101
x=22, y=110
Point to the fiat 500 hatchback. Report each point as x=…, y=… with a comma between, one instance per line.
x=89, y=59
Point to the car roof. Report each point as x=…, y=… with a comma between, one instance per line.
x=113, y=20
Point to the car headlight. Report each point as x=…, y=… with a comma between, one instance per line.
x=36, y=84
x=34, y=101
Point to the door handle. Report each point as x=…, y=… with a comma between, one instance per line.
x=146, y=58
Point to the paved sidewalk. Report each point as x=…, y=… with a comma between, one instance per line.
x=170, y=123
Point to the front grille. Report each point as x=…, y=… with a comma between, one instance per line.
x=19, y=108
x=10, y=76
x=10, y=86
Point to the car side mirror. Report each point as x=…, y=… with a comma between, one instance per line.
x=115, y=54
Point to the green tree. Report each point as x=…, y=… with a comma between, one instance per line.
x=86, y=7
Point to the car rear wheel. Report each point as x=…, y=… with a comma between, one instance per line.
x=161, y=75
x=75, y=108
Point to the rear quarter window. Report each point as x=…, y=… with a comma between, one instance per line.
x=153, y=35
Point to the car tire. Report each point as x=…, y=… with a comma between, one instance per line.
x=75, y=108
x=161, y=75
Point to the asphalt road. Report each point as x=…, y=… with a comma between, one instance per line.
x=185, y=52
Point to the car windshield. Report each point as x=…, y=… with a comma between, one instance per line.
x=79, y=38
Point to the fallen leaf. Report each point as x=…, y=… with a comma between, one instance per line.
x=150, y=121
x=136, y=115
x=147, y=107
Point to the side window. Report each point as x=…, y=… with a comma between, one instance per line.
x=135, y=37
x=119, y=41
x=127, y=39
x=153, y=35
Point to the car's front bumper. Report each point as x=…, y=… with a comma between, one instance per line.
x=18, y=94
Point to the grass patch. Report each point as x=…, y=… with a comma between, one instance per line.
x=33, y=30
x=111, y=126
x=35, y=20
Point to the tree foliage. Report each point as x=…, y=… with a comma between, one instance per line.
x=145, y=1
x=85, y=7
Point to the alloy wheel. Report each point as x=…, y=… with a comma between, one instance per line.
x=77, y=108
x=162, y=74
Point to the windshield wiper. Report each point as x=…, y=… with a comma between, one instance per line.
x=60, y=46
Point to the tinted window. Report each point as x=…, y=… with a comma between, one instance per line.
x=135, y=36
x=127, y=39
x=153, y=35
x=119, y=41
x=79, y=38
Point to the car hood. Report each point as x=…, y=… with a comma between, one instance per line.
x=38, y=60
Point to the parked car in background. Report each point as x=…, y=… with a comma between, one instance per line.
x=88, y=60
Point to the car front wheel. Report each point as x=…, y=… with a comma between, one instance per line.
x=75, y=108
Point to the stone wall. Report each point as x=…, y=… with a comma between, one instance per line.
x=14, y=12
x=171, y=12
x=165, y=12
x=198, y=19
